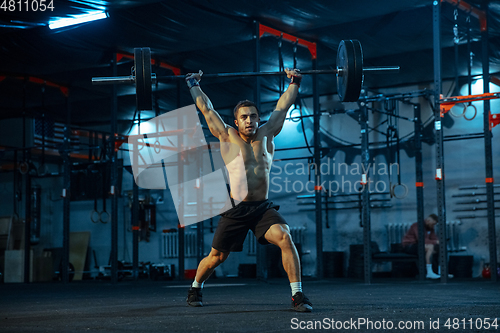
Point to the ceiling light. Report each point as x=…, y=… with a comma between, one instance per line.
x=78, y=19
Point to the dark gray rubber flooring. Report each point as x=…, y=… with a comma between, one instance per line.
x=246, y=305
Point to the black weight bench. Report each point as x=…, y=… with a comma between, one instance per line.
x=396, y=254
x=389, y=256
x=403, y=264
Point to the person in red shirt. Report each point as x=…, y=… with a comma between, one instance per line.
x=410, y=240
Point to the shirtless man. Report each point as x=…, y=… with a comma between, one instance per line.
x=254, y=146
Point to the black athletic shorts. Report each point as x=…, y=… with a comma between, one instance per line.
x=234, y=224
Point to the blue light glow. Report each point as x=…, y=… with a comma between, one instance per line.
x=77, y=19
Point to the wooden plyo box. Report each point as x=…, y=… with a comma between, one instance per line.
x=78, y=244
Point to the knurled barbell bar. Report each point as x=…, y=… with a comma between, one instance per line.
x=349, y=71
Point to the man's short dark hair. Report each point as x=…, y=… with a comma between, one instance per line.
x=242, y=104
x=434, y=217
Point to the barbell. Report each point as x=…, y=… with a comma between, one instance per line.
x=349, y=72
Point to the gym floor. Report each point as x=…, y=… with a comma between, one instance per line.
x=249, y=305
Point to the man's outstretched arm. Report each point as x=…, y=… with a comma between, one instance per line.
x=215, y=123
x=275, y=123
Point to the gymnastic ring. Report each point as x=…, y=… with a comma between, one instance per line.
x=24, y=167
x=157, y=147
x=475, y=112
x=393, y=191
x=106, y=215
x=459, y=115
x=95, y=216
x=142, y=145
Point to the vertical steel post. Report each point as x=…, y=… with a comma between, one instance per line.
x=256, y=65
x=135, y=206
x=135, y=222
x=200, y=231
x=27, y=222
x=443, y=255
x=365, y=194
x=14, y=186
x=261, y=255
x=488, y=152
x=113, y=180
x=180, y=171
x=420, y=190
x=200, y=206
x=317, y=161
x=181, y=203
x=66, y=195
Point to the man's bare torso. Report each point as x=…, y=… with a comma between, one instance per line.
x=248, y=164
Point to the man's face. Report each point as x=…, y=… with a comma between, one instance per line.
x=247, y=120
x=430, y=222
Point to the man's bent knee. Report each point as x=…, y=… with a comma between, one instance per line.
x=286, y=239
x=279, y=234
x=217, y=257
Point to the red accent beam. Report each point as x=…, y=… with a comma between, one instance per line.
x=8, y=167
x=477, y=13
x=310, y=45
x=447, y=103
x=161, y=64
x=494, y=119
x=64, y=90
x=495, y=80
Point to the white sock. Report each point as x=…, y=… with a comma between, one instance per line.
x=439, y=270
x=296, y=287
x=196, y=284
x=429, y=268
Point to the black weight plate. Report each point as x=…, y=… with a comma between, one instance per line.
x=350, y=79
x=357, y=82
x=143, y=82
x=344, y=63
x=148, y=83
x=139, y=81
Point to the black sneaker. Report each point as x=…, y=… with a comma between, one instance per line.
x=301, y=303
x=194, y=297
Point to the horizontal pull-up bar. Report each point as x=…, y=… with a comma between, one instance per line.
x=447, y=103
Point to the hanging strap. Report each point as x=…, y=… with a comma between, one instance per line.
x=471, y=56
x=104, y=215
x=456, y=40
x=281, y=65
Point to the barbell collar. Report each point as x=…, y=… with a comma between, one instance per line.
x=113, y=80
